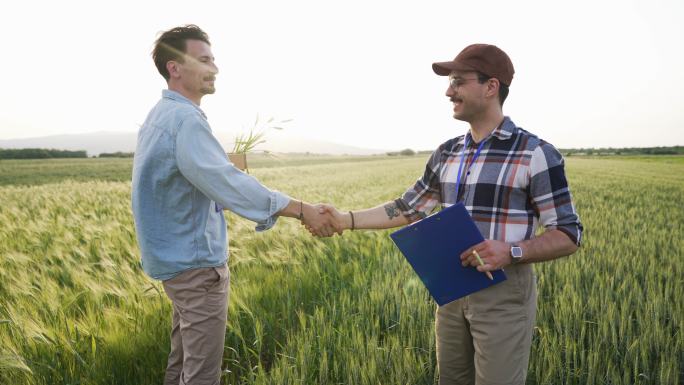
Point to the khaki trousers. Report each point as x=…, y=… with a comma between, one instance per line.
x=485, y=338
x=200, y=310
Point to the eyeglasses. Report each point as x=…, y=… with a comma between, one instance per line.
x=455, y=82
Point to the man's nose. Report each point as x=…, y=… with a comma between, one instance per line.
x=211, y=67
x=450, y=92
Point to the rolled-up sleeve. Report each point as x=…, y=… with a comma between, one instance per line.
x=420, y=199
x=550, y=194
x=202, y=161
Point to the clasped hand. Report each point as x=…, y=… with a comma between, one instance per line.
x=322, y=220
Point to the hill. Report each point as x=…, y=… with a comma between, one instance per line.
x=96, y=143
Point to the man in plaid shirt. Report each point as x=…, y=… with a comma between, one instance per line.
x=510, y=181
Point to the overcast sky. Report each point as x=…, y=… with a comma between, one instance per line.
x=588, y=73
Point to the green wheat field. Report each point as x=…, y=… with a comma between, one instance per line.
x=76, y=308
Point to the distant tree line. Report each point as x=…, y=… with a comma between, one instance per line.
x=39, y=153
x=404, y=152
x=45, y=153
x=118, y=154
x=672, y=150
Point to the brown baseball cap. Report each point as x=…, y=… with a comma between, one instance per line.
x=486, y=58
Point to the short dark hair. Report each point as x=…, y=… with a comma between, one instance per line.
x=171, y=45
x=503, y=89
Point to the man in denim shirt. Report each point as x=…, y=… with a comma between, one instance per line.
x=182, y=181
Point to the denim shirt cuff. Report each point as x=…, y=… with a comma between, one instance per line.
x=278, y=202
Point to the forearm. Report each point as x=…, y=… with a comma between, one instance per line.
x=384, y=216
x=550, y=245
x=294, y=208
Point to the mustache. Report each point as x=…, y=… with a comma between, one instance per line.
x=210, y=78
x=455, y=99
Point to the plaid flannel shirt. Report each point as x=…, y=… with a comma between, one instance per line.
x=517, y=182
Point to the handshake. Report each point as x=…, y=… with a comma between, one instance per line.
x=324, y=220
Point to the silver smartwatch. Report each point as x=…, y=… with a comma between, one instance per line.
x=516, y=253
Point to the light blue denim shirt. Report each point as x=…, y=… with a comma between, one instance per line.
x=181, y=181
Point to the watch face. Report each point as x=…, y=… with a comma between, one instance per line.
x=516, y=252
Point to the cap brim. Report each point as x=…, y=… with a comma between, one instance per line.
x=446, y=67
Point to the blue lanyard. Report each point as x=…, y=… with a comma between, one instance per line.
x=460, y=164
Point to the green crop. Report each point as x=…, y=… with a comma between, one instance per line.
x=76, y=308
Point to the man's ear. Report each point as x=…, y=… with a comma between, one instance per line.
x=173, y=68
x=493, y=85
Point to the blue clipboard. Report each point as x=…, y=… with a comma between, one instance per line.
x=433, y=247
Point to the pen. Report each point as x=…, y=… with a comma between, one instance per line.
x=489, y=275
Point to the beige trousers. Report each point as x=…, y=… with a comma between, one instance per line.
x=485, y=338
x=200, y=309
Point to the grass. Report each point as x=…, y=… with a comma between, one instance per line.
x=42, y=171
x=75, y=307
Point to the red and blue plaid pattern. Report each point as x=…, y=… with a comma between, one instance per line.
x=516, y=183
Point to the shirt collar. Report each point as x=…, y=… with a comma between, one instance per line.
x=176, y=96
x=506, y=129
